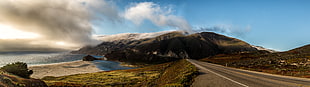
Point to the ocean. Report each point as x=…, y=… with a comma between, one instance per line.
x=38, y=58
x=43, y=58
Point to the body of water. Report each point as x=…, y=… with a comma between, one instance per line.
x=43, y=58
x=38, y=58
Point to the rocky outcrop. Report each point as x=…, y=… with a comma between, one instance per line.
x=89, y=58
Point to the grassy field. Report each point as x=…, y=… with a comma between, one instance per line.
x=172, y=74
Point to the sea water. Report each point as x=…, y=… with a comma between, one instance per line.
x=38, y=58
x=43, y=58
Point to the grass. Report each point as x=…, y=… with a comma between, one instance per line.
x=180, y=73
x=172, y=74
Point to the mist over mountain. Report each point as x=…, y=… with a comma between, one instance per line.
x=166, y=47
x=128, y=36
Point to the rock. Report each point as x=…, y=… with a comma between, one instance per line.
x=89, y=58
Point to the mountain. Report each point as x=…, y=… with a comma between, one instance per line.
x=115, y=42
x=167, y=47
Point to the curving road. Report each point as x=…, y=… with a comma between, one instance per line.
x=213, y=75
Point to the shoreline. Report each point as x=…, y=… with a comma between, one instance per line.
x=34, y=65
x=74, y=67
x=63, y=69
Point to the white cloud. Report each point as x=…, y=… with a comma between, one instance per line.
x=160, y=16
x=228, y=29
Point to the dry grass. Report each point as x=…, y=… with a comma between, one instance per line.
x=178, y=73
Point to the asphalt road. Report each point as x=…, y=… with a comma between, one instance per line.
x=213, y=75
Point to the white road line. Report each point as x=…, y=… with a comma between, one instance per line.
x=220, y=75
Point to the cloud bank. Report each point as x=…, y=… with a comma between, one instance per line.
x=54, y=20
x=68, y=24
x=225, y=29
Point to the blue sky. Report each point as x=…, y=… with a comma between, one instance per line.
x=276, y=24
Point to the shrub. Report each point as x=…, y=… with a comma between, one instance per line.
x=18, y=68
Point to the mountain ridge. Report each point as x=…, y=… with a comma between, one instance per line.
x=168, y=47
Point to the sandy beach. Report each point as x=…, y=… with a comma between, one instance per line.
x=62, y=69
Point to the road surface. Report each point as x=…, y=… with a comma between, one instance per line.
x=213, y=75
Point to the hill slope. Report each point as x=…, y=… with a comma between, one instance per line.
x=295, y=62
x=168, y=47
x=303, y=49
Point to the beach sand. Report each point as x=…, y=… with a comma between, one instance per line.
x=63, y=69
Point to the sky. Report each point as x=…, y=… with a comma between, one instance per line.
x=57, y=24
x=276, y=24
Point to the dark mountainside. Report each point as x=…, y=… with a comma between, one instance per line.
x=295, y=62
x=168, y=47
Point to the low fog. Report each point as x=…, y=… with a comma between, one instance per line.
x=227, y=29
x=67, y=24
x=56, y=21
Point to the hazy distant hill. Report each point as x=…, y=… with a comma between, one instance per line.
x=167, y=47
x=264, y=49
x=303, y=49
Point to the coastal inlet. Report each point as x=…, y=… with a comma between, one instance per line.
x=58, y=63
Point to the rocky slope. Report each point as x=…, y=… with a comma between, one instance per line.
x=168, y=47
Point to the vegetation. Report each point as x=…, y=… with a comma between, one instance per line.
x=11, y=80
x=18, y=68
x=179, y=74
x=17, y=75
x=155, y=75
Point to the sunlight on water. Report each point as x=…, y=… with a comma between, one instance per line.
x=38, y=58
